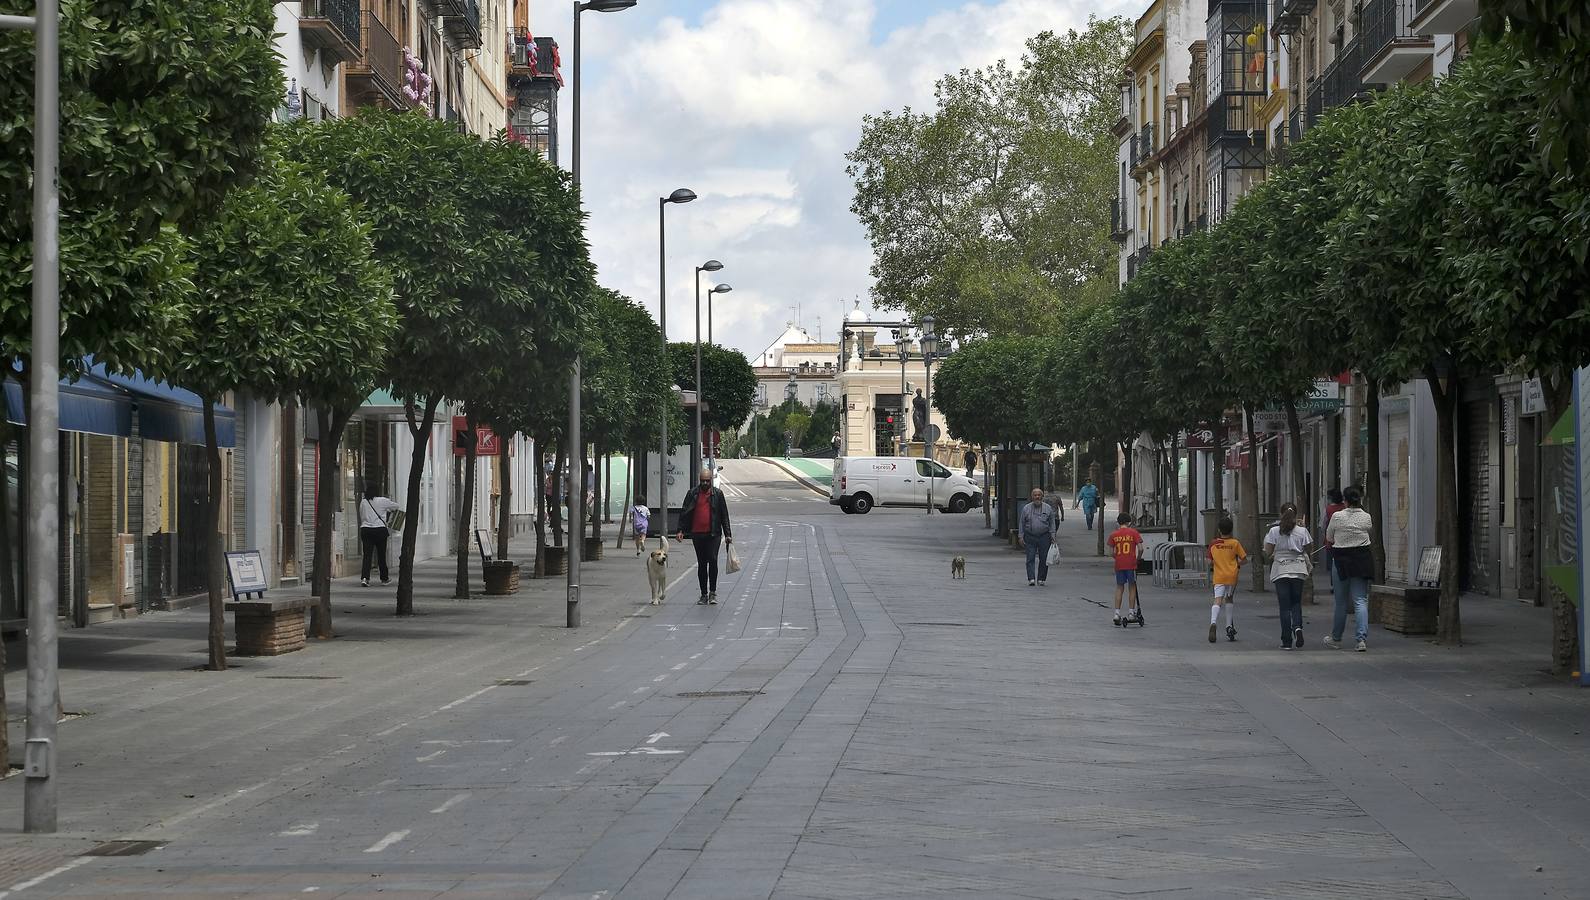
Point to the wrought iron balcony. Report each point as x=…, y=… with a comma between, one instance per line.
x=1289, y=14
x=376, y=77
x=463, y=31
x=1143, y=144
x=1118, y=226
x=332, y=26
x=1391, y=50
x=1343, y=77
x=1433, y=17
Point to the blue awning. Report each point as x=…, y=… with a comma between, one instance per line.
x=101, y=402
x=167, y=413
x=86, y=406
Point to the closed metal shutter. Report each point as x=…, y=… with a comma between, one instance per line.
x=310, y=473
x=1477, y=492
x=1397, y=502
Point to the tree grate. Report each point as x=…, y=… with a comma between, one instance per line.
x=707, y=695
x=512, y=682
x=124, y=848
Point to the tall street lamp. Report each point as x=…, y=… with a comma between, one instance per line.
x=576, y=441
x=717, y=289
x=710, y=265
x=903, y=348
x=681, y=195
x=930, y=345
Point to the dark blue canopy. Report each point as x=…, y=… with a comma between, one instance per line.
x=100, y=402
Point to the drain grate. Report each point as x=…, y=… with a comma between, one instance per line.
x=125, y=848
x=941, y=624
x=707, y=695
x=512, y=682
x=302, y=677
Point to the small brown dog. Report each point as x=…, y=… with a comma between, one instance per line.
x=958, y=567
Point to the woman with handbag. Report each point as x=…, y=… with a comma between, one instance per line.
x=374, y=513
x=1347, y=534
x=1287, y=548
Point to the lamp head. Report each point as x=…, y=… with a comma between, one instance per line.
x=682, y=195
x=711, y=265
x=607, y=5
x=720, y=289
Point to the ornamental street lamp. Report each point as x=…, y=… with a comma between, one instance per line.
x=930, y=345
x=710, y=265
x=576, y=442
x=903, y=348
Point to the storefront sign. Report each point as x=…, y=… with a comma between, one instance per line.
x=1200, y=439
x=1534, y=397
x=486, y=442
x=1269, y=422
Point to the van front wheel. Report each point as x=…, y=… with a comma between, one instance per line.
x=960, y=503
x=861, y=504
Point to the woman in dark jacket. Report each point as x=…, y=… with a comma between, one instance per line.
x=705, y=518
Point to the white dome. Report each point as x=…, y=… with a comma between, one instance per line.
x=856, y=315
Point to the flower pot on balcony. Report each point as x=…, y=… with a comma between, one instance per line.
x=502, y=577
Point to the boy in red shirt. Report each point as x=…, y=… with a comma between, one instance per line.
x=1126, y=543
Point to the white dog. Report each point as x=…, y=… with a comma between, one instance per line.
x=657, y=574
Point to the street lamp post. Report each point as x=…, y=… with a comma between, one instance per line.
x=680, y=195
x=903, y=349
x=576, y=441
x=930, y=345
x=791, y=394
x=710, y=265
x=712, y=448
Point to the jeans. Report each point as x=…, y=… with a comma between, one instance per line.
x=1289, y=594
x=707, y=562
x=1358, y=590
x=1087, y=512
x=1037, y=549
x=372, y=544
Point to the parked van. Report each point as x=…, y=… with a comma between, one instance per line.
x=862, y=482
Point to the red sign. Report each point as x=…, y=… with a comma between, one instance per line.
x=1200, y=439
x=711, y=439
x=486, y=442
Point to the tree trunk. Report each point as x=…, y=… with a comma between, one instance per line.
x=988, y=506
x=1190, y=519
x=559, y=485
x=1175, y=483
x=629, y=498
x=1294, y=430
x=1128, y=452
x=332, y=422
x=8, y=590
x=1449, y=627
x=538, y=444
x=214, y=557
x=607, y=487
x=504, y=500
x=1558, y=389
x=420, y=431
x=598, y=508
x=1217, y=490
x=1096, y=473
x=1373, y=501
x=1250, y=496
x=466, y=510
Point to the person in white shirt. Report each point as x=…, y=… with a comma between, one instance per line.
x=640, y=518
x=1348, y=535
x=1287, y=548
x=373, y=534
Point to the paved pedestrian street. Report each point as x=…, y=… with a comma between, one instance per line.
x=849, y=722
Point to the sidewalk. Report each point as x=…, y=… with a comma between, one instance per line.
x=817, y=474
x=149, y=733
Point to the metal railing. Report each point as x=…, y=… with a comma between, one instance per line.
x=342, y=14
x=382, y=56
x=1385, y=22
x=464, y=29
x=1147, y=134
x=1118, y=229
x=521, y=48
x=1343, y=77
x=1132, y=156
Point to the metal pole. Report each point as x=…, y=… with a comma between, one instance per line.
x=700, y=392
x=927, y=394
x=39, y=791
x=662, y=322
x=576, y=447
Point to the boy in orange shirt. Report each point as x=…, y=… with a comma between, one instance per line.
x=1126, y=544
x=1226, y=557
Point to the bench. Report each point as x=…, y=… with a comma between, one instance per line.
x=1404, y=609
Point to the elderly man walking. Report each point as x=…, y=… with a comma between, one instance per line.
x=1037, y=524
x=705, y=520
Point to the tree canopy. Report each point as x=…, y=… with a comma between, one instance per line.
x=730, y=381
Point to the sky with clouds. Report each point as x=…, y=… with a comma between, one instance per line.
x=753, y=104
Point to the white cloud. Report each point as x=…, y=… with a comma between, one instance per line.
x=753, y=107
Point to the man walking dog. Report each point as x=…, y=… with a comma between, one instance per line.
x=705, y=518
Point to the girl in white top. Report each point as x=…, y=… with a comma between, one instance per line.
x=1349, y=532
x=1287, y=547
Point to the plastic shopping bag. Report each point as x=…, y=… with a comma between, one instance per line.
x=734, y=560
x=1054, y=556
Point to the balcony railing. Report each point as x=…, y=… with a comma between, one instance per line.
x=1391, y=48
x=1131, y=267
x=1289, y=14
x=1132, y=155
x=1118, y=228
x=463, y=31
x=1343, y=82
x=379, y=69
x=1144, y=142
x=1315, y=105
x=332, y=26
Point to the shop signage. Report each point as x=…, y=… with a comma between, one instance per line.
x=246, y=570
x=486, y=441
x=1533, y=398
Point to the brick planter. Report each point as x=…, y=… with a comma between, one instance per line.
x=1405, y=610
x=502, y=578
x=593, y=549
x=269, y=627
x=557, y=560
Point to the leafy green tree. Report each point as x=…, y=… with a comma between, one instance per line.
x=991, y=212
x=1554, y=36
x=483, y=239
x=795, y=425
x=973, y=388
x=824, y=424
x=1518, y=236
x=289, y=305
x=730, y=381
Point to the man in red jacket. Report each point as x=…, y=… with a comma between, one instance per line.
x=705, y=518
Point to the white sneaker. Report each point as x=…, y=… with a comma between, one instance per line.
x=364, y=582
x=1361, y=647
x=1332, y=643
x=1040, y=582
x=1031, y=583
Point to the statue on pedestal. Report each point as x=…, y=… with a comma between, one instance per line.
x=919, y=417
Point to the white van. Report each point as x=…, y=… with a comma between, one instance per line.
x=862, y=482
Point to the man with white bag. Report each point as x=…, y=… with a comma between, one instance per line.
x=1037, y=524
x=705, y=519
